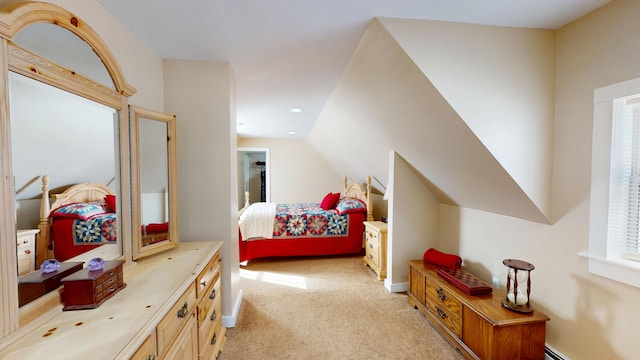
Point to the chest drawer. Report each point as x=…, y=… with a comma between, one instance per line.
x=441, y=296
x=169, y=327
x=87, y=289
x=444, y=306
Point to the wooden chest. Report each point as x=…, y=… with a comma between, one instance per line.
x=87, y=289
x=477, y=325
x=36, y=283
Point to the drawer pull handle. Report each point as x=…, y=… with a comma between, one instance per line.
x=150, y=357
x=441, y=314
x=184, y=310
x=370, y=256
x=111, y=273
x=441, y=295
x=27, y=252
x=214, y=340
x=111, y=281
x=214, y=316
x=213, y=294
x=203, y=283
x=370, y=246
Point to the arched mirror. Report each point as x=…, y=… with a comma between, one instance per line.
x=65, y=141
x=153, y=149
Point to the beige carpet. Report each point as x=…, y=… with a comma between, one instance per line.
x=326, y=308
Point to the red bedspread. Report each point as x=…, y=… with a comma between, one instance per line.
x=307, y=246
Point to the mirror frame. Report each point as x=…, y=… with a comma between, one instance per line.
x=135, y=114
x=13, y=18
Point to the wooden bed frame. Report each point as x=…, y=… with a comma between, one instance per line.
x=309, y=246
x=83, y=192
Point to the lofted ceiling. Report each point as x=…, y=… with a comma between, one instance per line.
x=290, y=53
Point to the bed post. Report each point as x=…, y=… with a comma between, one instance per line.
x=369, y=201
x=43, y=237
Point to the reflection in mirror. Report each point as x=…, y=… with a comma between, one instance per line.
x=155, y=184
x=63, y=47
x=154, y=181
x=63, y=139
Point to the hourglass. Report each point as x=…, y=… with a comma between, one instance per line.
x=518, y=286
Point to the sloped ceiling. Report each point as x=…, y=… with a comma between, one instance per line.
x=410, y=89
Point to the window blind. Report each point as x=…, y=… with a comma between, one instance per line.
x=624, y=212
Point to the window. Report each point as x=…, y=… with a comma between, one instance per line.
x=614, y=231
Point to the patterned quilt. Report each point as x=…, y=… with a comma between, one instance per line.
x=99, y=229
x=308, y=220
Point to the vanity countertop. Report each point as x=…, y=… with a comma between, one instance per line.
x=120, y=325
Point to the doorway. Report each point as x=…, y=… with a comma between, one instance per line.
x=253, y=175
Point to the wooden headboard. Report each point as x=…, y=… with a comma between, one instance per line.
x=83, y=192
x=351, y=189
x=357, y=191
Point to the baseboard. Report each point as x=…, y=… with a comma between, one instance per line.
x=396, y=288
x=230, y=321
x=552, y=354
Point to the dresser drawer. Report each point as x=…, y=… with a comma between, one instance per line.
x=172, y=323
x=372, y=251
x=209, y=311
x=208, y=275
x=373, y=237
x=146, y=351
x=210, y=323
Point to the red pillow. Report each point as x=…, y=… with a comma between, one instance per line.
x=111, y=202
x=330, y=201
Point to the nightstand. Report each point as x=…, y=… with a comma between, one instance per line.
x=26, y=246
x=376, y=247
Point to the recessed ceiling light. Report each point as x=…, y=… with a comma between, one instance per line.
x=291, y=132
x=296, y=110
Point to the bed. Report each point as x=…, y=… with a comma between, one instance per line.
x=79, y=219
x=284, y=230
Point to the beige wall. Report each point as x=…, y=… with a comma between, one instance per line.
x=591, y=317
x=141, y=66
x=202, y=95
x=299, y=174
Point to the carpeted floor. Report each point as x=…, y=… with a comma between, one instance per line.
x=326, y=308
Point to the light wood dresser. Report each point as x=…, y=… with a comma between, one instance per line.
x=170, y=309
x=375, y=254
x=476, y=325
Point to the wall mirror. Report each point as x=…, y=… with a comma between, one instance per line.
x=154, y=193
x=70, y=130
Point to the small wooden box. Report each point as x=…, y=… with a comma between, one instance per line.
x=88, y=289
x=36, y=283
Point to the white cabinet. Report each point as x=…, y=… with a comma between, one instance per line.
x=26, y=245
